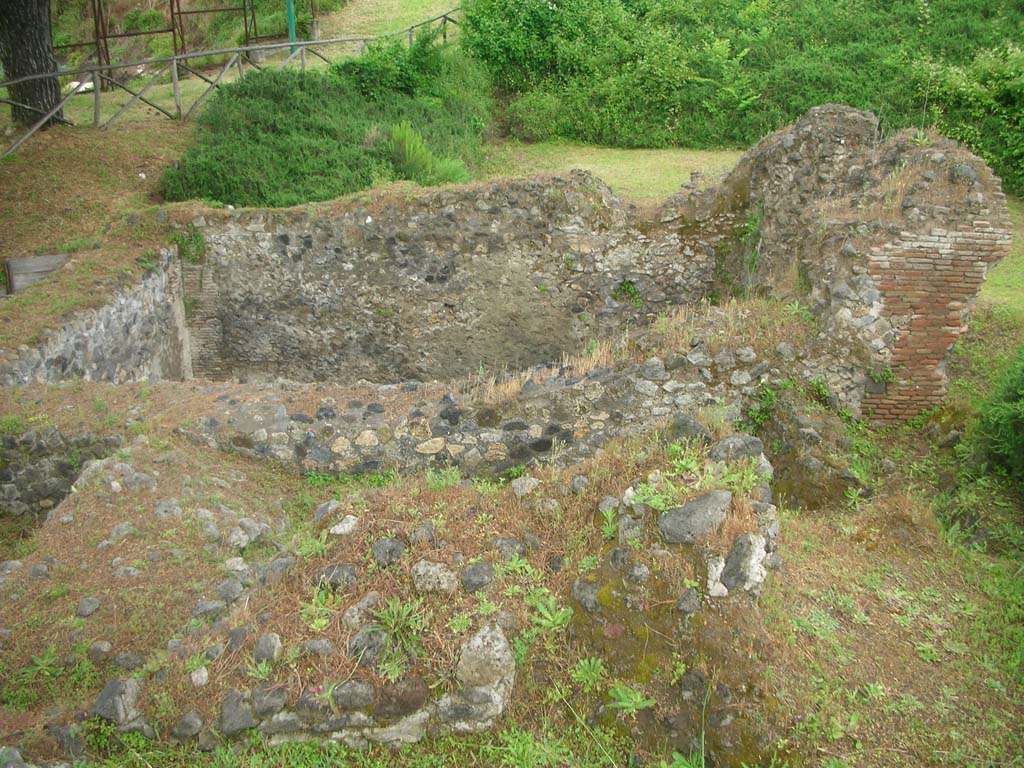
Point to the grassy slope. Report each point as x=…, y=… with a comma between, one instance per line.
x=376, y=18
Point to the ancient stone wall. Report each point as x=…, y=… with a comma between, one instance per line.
x=928, y=284
x=139, y=335
x=37, y=468
x=887, y=242
x=437, y=283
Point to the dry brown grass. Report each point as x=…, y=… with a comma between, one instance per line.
x=758, y=323
x=80, y=190
x=504, y=387
x=741, y=519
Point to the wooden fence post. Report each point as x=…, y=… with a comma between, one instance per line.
x=96, y=98
x=176, y=85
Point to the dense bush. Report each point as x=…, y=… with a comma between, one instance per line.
x=982, y=104
x=1002, y=420
x=713, y=72
x=282, y=137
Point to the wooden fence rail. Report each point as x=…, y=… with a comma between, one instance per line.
x=239, y=58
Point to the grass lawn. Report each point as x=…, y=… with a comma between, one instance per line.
x=641, y=175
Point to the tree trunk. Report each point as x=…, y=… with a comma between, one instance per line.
x=26, y=48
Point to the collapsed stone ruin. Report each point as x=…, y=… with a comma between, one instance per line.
x=886, y=242
x=881, y=243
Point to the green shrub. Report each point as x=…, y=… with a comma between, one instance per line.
x=143, y=20
x=1002, y=420
x=982, y=104
x=535, y=116
x=651, y=73
x=284, y=137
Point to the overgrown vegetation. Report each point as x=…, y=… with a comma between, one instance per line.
x=1002, y=421
x=284, y=137
x=73, y=23
x=640, y=73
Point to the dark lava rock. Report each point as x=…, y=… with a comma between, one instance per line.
x=338, y=576
x=696, y=518
x=387, y=551
x=736, y=447
x=236, y=713
x=367, y=645
x=585, y=593
x=355, y=694
x=477, y=576
x=684, y=427
x=402, y=698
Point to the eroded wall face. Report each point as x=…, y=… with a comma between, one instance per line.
x=138, y=336
x=886, y=242
x=434, y=286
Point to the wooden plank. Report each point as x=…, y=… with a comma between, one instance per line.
x=23, y=271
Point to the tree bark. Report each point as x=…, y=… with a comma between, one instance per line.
x=26, y=48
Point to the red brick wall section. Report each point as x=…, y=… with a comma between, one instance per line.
x=928, y=284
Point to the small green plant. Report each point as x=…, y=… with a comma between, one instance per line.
x=309, y=546
x=817, y=390
x=547, y=615
x=320, y=479
x=589, y=673
x=740, y=477
x=460, y=623
x=609, y=525
x=195, y=662
x=148, y=261
x=523, y=750
x=627, y=292
x=658, y=500
x=519, y=567
x=439, y=479
x=629, y=701
x=588, y=563
x=883, y=376
x=687, y=458
x=512, y=473
x=46, y=664
x=761, y=410
x=485, y=606
x=796, y=309
x=191, y=244
x=317, y=613
x=261, y=671
x=12, y=425
x=679, y=668
x=487, y=486
x=402, y=622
